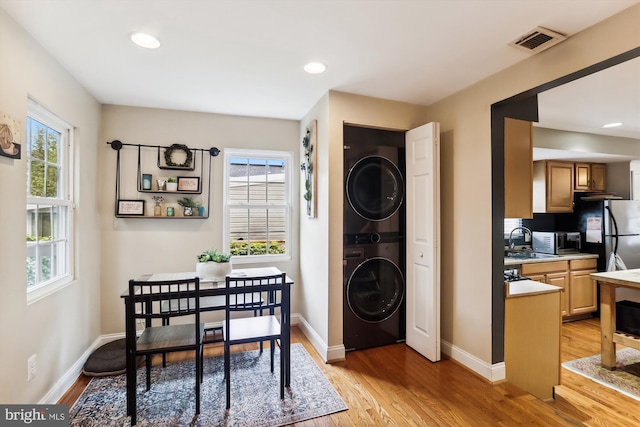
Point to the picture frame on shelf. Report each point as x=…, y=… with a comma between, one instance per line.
x=130, y=207
x=189, y=183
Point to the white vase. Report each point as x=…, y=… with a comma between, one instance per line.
x=172, y=186
x=213, y=270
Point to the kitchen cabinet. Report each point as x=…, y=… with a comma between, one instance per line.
x=553, y=273
x=552, y=186
x=582, y=293
x=518, y=169
x=590, y=177
x=579, y=291
x=532, y=337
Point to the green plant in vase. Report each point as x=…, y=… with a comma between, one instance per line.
x=172, y=184
x=188, y=205
x=213, y=265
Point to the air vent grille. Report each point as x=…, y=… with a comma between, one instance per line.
x=538, y=40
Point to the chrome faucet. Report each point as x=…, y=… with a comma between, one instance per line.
x=525, y=229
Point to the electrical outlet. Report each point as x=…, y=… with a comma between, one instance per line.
x=32, y=367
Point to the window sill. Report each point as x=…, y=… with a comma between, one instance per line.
x=39, y=292
x=257, y=259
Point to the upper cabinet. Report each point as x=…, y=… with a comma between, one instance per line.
x=590, y=177
x=553, y=186
x=518, y=169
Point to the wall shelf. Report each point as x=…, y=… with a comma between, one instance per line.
x=199, y=169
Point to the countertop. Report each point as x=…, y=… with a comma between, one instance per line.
x=511, y=261
x=627, y=278
x=523, y=288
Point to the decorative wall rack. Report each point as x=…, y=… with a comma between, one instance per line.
x=176, y=157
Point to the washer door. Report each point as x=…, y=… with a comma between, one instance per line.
x=375, y=188
x=375, y=289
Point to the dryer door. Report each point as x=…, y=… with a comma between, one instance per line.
x=374, y=188
x=375, y=289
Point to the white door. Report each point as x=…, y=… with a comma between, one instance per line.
x=423, y=240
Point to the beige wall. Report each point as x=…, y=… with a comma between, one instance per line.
x=466, y=174
x=60, y=327
x=131, y=247
x=585, y=142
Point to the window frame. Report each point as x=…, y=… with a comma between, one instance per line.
x=287, y=156
x=66, y=199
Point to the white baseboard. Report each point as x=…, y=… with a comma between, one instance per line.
x=328, y=354
x=72, y=374
x=492, y=372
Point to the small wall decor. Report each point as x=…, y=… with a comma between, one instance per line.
x=130, y=207
x=189, y=183
x=309, y=143
x=172, y=152
x=10, y=136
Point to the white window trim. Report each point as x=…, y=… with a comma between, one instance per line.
x=44, y=289
x=263, y=154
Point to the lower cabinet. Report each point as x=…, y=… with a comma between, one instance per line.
x=579, y=295
x=583, y=297
x=553, y=273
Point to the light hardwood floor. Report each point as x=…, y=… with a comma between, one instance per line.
x=394, y=386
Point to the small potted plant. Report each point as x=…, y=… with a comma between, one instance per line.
x=213, y=265
x=172, y=184
x=188, y=205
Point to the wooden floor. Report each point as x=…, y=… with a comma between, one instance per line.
x=394, y=386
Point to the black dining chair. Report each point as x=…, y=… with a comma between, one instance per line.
x=267, y=327
x=143, y=303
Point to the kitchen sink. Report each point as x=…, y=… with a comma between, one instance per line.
x=527, y=255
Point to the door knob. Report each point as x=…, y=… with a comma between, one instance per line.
x=421, y=255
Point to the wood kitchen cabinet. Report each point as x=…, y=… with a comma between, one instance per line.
x=554, y=273
x=590, y=177
x=553, y=186
x=582, y=294
x=518, y=169
x=579, y=291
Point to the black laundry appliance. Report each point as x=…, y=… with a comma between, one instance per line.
x=374, y=290
x=374, y=243
x=374, y=187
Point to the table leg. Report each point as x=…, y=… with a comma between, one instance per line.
x=607, y=325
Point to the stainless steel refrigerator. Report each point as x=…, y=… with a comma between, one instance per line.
x=611, y=226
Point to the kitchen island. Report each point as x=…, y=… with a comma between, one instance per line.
x=609, y=281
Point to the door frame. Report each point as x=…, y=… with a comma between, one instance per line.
x=523, y=106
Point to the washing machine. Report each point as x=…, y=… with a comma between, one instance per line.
x=374, y=290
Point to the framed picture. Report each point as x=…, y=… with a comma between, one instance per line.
x=130, y=207
x=188, y=183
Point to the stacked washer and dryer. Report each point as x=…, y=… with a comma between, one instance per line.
x=374, y=237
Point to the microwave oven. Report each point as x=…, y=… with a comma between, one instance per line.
x=556, y=242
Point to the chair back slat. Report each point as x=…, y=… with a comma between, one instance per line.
x=161, y=300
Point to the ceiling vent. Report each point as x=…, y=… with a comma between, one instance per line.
x=537, y=40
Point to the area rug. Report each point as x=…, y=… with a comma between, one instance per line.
x=624, y=379
x=255, y=394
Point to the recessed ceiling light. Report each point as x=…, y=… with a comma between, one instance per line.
x=612, y=125
x=315, y=67
x=145, y=40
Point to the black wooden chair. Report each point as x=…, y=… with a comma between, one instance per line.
x=268, y=327
x=143, y=303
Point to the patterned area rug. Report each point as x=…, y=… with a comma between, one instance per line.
x=255, y=394
x=625, y=378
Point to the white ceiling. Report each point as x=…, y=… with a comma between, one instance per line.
x=245, y=57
